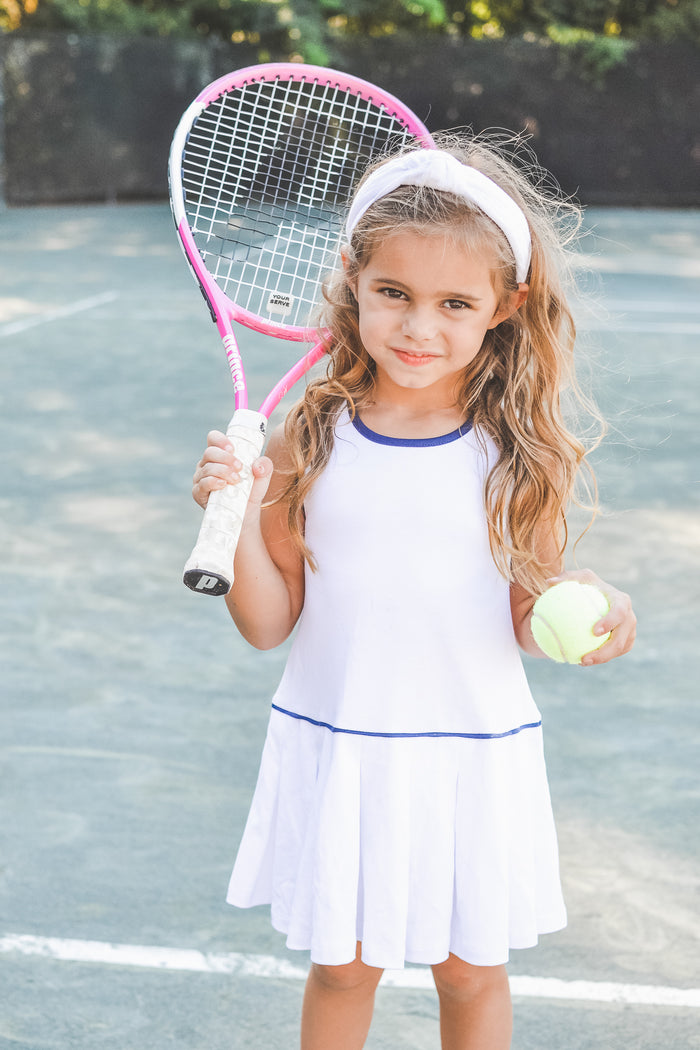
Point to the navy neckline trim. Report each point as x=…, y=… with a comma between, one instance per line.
x=383, y=439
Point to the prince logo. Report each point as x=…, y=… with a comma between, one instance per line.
x=206, y=583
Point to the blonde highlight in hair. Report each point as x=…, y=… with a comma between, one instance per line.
x=512, y=391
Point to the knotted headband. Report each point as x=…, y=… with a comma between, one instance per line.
x=441, y=171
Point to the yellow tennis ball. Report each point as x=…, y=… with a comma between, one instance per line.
x=563, y=619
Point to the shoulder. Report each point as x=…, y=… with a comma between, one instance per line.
x=484, y=447
x=278, y=447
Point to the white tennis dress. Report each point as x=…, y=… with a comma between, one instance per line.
x=402, y=799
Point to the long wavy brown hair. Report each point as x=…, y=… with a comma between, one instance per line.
x=513, y=390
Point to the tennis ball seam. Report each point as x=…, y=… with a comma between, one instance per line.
x=538, y=622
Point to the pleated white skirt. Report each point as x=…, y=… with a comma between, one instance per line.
x=417, y=847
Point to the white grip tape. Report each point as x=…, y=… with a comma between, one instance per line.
x=214, y=551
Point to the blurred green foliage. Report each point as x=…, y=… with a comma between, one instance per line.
x=597, y=33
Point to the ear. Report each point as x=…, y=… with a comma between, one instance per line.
x=352, y=285
x=513, y=303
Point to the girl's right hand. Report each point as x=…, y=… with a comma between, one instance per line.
x=219, y=467
x=268, y=592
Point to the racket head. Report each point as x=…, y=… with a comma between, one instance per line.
x=262, y=166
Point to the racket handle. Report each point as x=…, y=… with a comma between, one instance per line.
x=209, y=568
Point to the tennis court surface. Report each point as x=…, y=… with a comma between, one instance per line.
x=133, y=716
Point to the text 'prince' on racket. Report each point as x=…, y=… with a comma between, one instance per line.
x=262, y=166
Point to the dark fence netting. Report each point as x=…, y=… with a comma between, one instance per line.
x=90, y=118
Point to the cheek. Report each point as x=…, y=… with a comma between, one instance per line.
x=366, y=330
x=374, y=321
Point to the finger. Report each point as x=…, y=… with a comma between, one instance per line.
x=610, y=622
x=580, y=575
x=220, y=463
x=619, y=616
x=215, y=470
x=216, y=454
x=218, y=474
x=202, y=489
x=262, y=474
x=217, y=439
x=621, y=641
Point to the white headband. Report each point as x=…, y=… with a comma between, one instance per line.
x=442, y=171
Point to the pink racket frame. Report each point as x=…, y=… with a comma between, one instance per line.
x=209, y=569
x=224, y=309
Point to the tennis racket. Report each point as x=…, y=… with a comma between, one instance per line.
x=262, y=166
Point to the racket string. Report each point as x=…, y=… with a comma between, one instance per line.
x=267, y=172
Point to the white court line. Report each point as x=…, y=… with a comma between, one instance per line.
x=268, y=966
x=78, y=307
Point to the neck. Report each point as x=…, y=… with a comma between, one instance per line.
x=411, y=417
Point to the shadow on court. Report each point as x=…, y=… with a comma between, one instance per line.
x=133, y=716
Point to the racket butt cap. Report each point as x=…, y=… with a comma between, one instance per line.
x=206, y=582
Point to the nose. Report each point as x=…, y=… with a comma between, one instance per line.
x=418, y=323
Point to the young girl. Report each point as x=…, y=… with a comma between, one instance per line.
x=415, y=510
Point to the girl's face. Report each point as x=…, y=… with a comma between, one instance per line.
x=425, y=306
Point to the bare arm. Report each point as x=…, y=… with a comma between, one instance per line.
x=521, y=601
x=268, y=590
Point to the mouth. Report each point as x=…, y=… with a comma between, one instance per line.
x=413, y=357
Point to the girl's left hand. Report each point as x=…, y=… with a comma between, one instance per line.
x=620, y=618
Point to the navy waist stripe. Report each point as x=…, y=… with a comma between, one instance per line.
x=361, y=732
